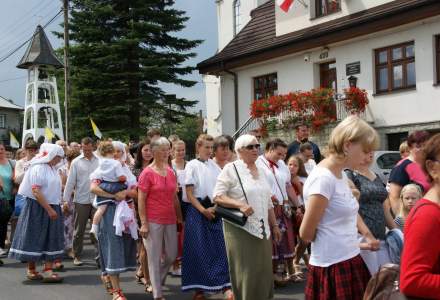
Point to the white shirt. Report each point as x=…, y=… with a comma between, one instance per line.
x=46, y=178
x=258, y=192
x=203, y=176
x=108, y=169
x=336, y=235
x=277, y=177
x=79, y=180
x=309, y=166
x=181, y=181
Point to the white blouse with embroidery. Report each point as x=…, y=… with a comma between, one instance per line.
x=258, y=194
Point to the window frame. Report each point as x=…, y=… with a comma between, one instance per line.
x=2, y=119
x=390, y=64
x=321, y=11
x=437, y=59
x=236, y=5
x=266, y=90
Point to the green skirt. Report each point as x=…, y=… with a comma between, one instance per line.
x=250, y=264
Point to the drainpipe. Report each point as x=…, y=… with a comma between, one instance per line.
x=237, y=125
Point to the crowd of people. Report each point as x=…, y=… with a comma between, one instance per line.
x=315, y=215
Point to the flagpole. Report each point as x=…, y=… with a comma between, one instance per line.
x=66, y=68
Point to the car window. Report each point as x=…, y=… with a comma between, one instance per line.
x=388, y=160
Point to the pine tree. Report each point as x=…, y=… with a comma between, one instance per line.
x=120, y=51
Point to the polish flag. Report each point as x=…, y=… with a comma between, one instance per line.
x=285, y=4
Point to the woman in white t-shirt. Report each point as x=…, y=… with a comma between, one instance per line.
x=331, y=221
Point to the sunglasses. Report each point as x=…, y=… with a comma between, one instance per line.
x=254, y=146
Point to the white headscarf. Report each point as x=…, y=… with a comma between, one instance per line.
x=121, y=146
x=46, y=153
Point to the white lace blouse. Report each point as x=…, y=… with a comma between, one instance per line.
x=258, y=193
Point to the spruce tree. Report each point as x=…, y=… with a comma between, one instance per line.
x=121, y=50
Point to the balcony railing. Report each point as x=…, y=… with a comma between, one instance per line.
x=341, y=113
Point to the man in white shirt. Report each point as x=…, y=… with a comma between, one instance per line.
x=78, y=183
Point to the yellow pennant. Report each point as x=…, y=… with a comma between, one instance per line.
x=13, y=142
x=96, y=130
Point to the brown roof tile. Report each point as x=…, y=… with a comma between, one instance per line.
x=257, y=41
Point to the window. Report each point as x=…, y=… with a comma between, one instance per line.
x=237, y=17
x=265, y=86
x=395, y=68
x=327, y=7
x=437, y=57
x=2, y=121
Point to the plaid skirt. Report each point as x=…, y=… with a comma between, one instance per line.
x=346, y=280
x=37, y=237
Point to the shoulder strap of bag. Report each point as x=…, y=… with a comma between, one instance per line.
x=276, y=180
x=241, y=184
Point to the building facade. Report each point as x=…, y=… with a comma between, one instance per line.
x=390, y=48
x=11, y=115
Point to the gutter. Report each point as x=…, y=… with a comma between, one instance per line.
x=237, y=125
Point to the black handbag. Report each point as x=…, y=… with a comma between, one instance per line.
x=233, y=215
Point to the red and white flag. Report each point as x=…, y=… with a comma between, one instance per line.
x=285, y=4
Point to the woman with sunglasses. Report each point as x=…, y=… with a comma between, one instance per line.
x=243, y=185
x=409, y=170
x=204, y=261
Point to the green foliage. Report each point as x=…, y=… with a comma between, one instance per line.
x=121, y=50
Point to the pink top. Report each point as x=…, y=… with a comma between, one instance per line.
x=160, y=191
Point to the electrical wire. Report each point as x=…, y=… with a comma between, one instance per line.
x=29, y=39
x=14, y=38
x=12, y=79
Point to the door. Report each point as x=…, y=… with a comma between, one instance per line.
x=328, y=75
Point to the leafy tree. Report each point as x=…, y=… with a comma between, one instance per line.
x=121, y=51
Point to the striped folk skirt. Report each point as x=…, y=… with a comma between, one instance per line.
x=286, y=248
x=204, y=261
x=345, y=280
x=37, y=237
x=117, y=253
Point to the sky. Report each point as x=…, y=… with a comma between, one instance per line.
x=19, y=18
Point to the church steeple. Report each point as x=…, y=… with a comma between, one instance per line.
x=39, y=52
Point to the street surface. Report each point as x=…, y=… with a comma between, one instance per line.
x=83, y=283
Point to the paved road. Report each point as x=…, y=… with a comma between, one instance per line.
x=83, y=283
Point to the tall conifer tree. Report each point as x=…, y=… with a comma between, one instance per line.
x=121, y=51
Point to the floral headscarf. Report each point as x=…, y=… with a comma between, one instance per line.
x=46, y=153
x=121, y=146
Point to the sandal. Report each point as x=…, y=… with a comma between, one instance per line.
x=149, y=288
x=58, y=266
x=33, y=275
x=107, y=284
x=118, y=295
x=279, y=281
x=298, y=271
x=140, y=279
x=50, y=277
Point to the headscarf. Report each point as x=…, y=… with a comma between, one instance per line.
x=46, y=153
x=121, y=146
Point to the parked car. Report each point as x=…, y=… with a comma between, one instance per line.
x=384, y=162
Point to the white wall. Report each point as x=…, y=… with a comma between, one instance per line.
x=408, y=107
x=213, y=104
x=300, y=17
x=225, y=18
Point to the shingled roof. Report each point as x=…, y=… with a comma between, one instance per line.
x=39, y=52
x=257, y=41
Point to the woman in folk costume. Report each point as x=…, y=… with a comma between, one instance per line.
x=204, y=263
x=278, y=176
x=117, y=253
x=39, y=235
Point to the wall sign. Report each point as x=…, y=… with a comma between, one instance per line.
x=323, y=55
x=353, y=68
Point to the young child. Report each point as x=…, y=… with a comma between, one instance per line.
x=111, y=178
x=298, y=176
x=409, y=195
x=306, y=154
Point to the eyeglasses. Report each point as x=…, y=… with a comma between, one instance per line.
x=253, y=146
